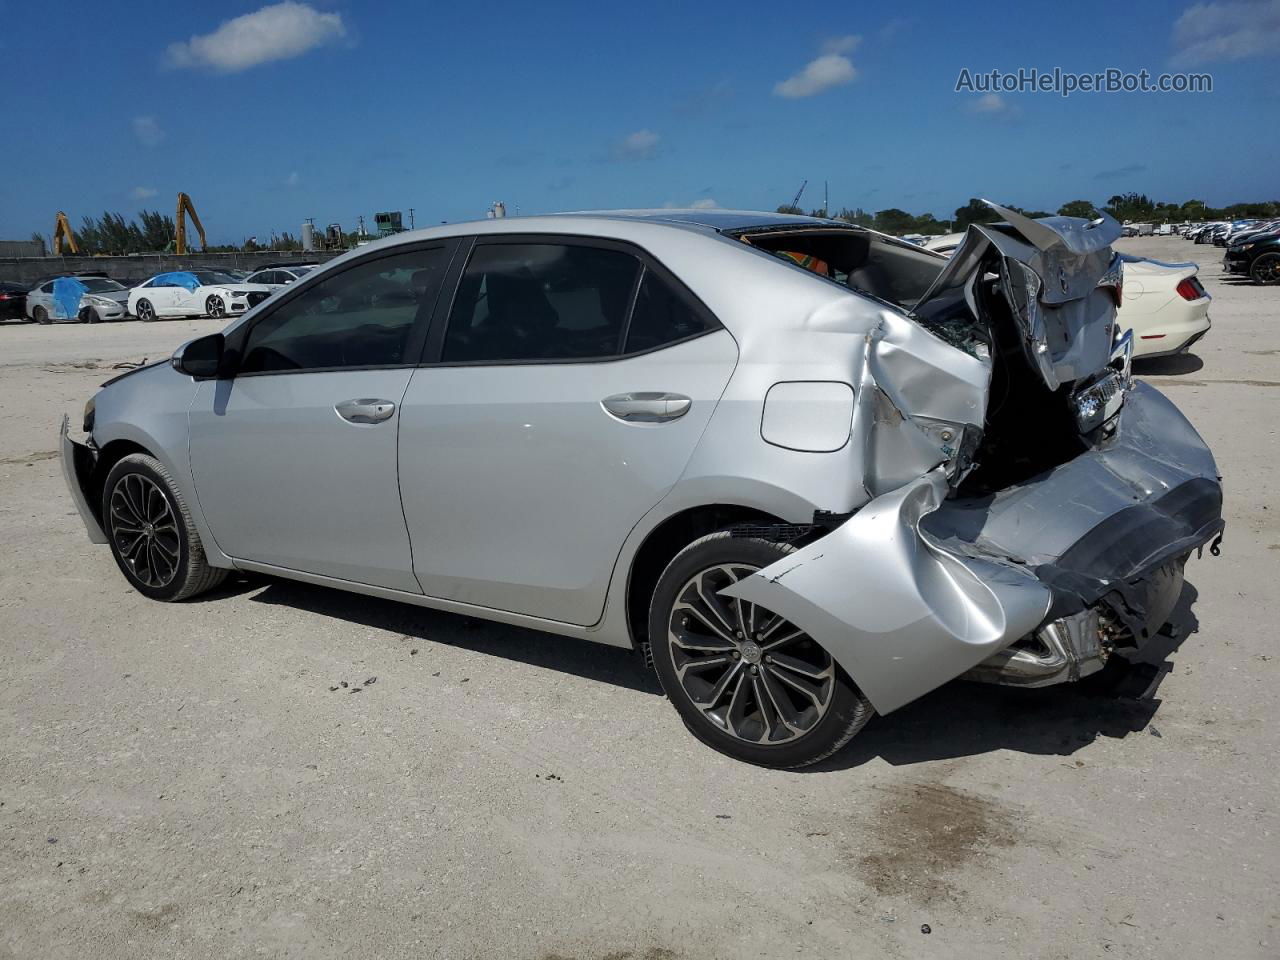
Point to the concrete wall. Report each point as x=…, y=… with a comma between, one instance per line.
x=139, y=267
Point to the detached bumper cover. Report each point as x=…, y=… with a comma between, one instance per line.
x=915, y=590
x=77, y=467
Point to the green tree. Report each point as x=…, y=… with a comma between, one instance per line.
x=975, y=211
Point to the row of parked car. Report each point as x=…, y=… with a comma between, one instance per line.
x=96, y=298
x=1252, y=246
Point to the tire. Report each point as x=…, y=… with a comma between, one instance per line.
x=215, y=307
x=742, y=716
x=89, y=315
x=152, y=536
x=145, y=311
x=1265, y=269
x=40, y=315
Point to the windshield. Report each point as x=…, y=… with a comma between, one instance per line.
x=100, y=284
x=210, y=277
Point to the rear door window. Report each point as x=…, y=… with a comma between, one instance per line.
x=663, y=314
x=541, y=301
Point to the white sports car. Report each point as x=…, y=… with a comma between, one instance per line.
x=194, y=293
x=1164, y=304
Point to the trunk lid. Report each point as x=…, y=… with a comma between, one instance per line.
x=1061, y=281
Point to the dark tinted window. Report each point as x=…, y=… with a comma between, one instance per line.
x=540, y=301
x=662, y=316
x=361, y=317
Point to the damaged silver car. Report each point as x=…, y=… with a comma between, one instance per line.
x=810, y=472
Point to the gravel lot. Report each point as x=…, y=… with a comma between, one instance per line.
x=181, y=781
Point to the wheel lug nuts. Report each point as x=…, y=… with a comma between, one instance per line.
x=736, y=654
x=738, y=634
x=768, y=659
x=755, y=669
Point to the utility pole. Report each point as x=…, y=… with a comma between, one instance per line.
x=411, y=218
x=826, y=200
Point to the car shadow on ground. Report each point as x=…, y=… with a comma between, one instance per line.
x=1178, y=364
x=959, y=719
x=593, y=661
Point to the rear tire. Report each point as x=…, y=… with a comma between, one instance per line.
x=1265, y=269
x=152, y=536
x=768, y=694
x=40, y=315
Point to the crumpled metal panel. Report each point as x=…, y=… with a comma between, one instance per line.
x=914, y=589
x=1050, y=274
x=898, y=613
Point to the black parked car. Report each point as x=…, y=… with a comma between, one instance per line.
x=1258, y=257
x=13, y=301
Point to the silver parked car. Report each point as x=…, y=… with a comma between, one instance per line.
x=810, y=472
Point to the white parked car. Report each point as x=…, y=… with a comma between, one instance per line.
x=194, y=293
x=1164, y=304
x=280, y=277
x=82, y=299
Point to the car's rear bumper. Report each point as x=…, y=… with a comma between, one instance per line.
x=915, y=590
x=77, y=467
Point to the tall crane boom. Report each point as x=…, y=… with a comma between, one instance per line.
x=796, y=201
x=180, y=225
x=61, y=230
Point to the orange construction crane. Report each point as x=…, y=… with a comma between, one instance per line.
x=180, y=225
x=61, y=229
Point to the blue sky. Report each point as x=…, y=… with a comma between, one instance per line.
x=332, y=109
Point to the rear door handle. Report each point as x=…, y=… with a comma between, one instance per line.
x=647, y=406
x=365, y=411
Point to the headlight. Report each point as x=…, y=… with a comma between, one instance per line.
x=88, y=416
x=101, y=301
x=1247, y=246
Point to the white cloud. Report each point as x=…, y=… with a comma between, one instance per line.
x=1228, y=30
x=705, y=203
x=639, y=145
x=841, y=44
x=292, y=179
x=827, y=71
x=143, y=193
x=993, y=105
x=280, y=31
x=148, y=131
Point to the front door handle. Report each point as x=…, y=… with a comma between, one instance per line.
x=365, y=411
x=647, y=406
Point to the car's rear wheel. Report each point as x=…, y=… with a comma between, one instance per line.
x=145, y=311
x=40, y=315
x=1266, y=269
x=745, y=680
x=215, y=307
x=151, y=533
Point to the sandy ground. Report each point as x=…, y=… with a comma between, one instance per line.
x=180, y=781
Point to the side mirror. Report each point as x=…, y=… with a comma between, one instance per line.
x=200, y=358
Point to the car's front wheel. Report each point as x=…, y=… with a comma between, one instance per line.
x=40, y=315
x=215, y=307
x=89, y=315
x=1266, y=269
x=145, y=311
x=745, y=680
x=152, y=535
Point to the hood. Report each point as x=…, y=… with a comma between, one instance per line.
x=1049, y=273
x=243, y=287
x=119, y=296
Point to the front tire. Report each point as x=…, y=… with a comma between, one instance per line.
x=744, y=680
x=1266, y=269
x=215, y=307
x=145, y=311
x=89, y=315
x=40, y=315
x=152, y=536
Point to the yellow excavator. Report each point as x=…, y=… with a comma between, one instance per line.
x=180, y=225
x=61, y=231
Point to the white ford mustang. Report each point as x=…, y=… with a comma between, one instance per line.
x=194, y=293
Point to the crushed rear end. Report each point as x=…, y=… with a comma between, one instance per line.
x=1022, y=532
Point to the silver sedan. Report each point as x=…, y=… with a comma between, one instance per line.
x=806, y=471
